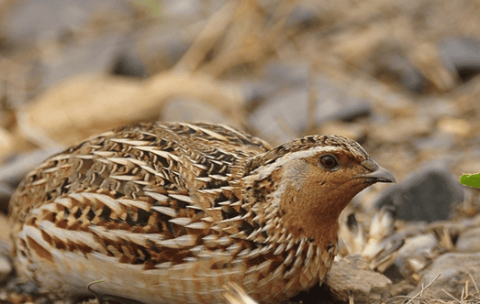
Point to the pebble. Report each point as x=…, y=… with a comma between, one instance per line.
x=449, y=272
x=285, y=113
x=461, y=55
x=93, y=55
x=32, y=21
x=469, y=240
x=161, y=46
x=350, y=276
x=425, y=195
x=414, y=254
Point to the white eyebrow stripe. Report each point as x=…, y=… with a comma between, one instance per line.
x=263, y=172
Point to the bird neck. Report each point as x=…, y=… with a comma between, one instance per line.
x=306, y=214
x=289, y=199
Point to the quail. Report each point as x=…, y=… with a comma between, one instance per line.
x=174, y=212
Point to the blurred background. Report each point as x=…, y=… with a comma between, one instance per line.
x=400, y=77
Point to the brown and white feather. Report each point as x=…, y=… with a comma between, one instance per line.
x=173, y=213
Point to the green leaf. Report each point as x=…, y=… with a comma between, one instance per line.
x=152, y=7
x=471, y=180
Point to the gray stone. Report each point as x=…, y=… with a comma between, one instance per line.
x=334, y=103
x=162, y=47
x=92, y=55
x=461, y=55
x=254, y=93
x=438, y=140
x=285, y=112
x=436, y=107
x=449, y=272
x=31, y=21
x=349, y=277
x=186, y=9
x=277, y=78
x=426, y=195
x=128, y=62
x=399, y=67
x=282, y=117
x=469, y=240
x=303, y=16
x=413, y=255
x=284, y=74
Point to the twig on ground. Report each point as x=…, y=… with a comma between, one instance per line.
x=474, y=283
x=448, y=294
x=423, y=288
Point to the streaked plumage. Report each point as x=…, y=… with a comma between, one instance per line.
x=172, y=213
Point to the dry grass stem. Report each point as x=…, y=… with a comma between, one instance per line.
x=474, y=283
x=214, y=29
x=456, y=300
x=423, y=288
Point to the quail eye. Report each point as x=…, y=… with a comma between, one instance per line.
x=328, y=162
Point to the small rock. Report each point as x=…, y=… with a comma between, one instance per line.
x=468, y=241
x=92, y=55
x=22, y=287
x=285, y=113
x=349, y=276
x=426, y=195
x=284, y=74
x=277, y=77
x=30, y=21
x=461, y=56
x=437, y=107
x=282, y=117
x=128, y=62
x=255, y=92
x=454, y=270
x=409, y=75
x=303, y=16
x=333, y=103
x=401, y=288
x=438, y=141
x=188, y=8
x=413, y=256
x=161, y=48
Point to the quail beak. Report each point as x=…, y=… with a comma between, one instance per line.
x=377, y=174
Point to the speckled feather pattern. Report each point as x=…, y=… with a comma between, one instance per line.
x=171, y=213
